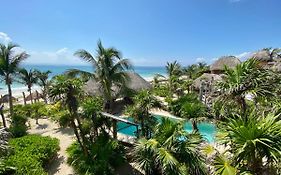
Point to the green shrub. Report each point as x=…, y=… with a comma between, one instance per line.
x=32, y=153
x=18, y=125
x=162, y=91
x=105, y=155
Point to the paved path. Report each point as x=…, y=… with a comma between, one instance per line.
x=66, y=137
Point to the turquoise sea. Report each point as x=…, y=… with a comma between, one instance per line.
x=146, y=72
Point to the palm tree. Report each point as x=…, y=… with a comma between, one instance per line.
x=255, y=144
x=171, y=150
x=28, y=78
x=190, y=70
x=9, y=65
x=43, y=82
x=246, y=78
x=173, y=71
x=190, y=107
x=144, y=101
x=109, y=70
x=69, y=91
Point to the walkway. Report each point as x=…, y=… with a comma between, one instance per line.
x=65, y=136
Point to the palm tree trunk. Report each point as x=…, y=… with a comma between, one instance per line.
x=30, y=93
x=78, y=137
x=10, y=99
x=24, y=100
x=44, y=95
x=3, y=117
x=194, y=125
x=82, y=134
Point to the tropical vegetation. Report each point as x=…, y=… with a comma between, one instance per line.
x=244, y=105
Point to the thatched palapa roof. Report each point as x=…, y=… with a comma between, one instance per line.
x=135, y=83
x=229, y=61
x=262, y=55
x=211, y=78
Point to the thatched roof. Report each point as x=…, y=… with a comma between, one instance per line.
x=229, y=61
x=262, y=55
x=34, y=96
x=211, y=78
x=276, y=66
x=5, y=99
x=135, y=83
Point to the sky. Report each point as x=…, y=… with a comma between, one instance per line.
x=148, y=32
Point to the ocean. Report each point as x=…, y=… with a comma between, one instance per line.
x=145, y=72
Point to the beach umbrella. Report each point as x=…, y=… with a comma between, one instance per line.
x=218, y=66
x=5, y=99
x=35, y=96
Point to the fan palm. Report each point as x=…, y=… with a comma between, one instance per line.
x=171, y=150
x=109, y=69
x=28, y=78
x=256, y=143
x=9, y=65
x=43, y=82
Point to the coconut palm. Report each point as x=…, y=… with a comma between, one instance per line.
x=256, y=143
x=28, y=78
x=171, y=150
x=144, y=101
x=246, y=79
x=173, y=70
x=9, y=65
x=69, y=91
x=43, y=82
x=190, y=70
x=109, y=70
x=190, y=107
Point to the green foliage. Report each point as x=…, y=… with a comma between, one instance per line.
x=31, y=153
x=109, y=69
x=255, y=141
x=143, y=102
x=18, y=125
x=171, y=150
x=196, y=70
x=27, y=77
x=161, y=91
x=188, y=106
x=223, y=166
x=106, y=154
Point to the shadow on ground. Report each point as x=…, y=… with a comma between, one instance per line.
x=67, y=131
x=44, y=126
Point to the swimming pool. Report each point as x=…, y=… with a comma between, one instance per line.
x=208, y=130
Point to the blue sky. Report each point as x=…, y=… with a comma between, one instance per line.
x=149, y=32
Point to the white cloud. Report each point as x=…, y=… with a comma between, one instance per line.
x=200, y=60
x=61, y=56
x=4, y=38
x=244, y=56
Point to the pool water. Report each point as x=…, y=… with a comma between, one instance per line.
x=208, y=130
